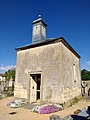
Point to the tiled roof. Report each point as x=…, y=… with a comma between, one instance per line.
x=1, y=74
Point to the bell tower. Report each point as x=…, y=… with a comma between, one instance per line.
x=38, y=30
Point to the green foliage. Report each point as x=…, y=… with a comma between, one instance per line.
x=74, y=101
x=85, y=74
x=10, y=74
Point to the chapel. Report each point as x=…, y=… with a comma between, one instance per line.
x=47, y=69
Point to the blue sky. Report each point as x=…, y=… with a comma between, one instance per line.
x=65, y=18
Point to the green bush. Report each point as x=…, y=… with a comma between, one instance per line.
x=74, y=101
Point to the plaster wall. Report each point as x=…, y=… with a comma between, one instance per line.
x=44, y=59
x=71, y=78
x=55, y=64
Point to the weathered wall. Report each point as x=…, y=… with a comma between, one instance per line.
x=55, y=62
x=71, y=74
x=21, y=80
x=45, y=59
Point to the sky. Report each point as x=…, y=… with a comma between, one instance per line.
x=65, y=18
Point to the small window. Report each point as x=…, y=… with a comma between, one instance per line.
x=74, y=73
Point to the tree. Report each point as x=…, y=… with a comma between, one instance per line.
x=85, y=74
x=10, y=74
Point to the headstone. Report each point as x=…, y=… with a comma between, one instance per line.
x=55, y=117
x=68, y=117
x=84, y=113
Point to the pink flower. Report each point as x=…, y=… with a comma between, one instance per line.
x=48, y=109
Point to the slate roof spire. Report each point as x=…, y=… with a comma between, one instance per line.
x=38, y=30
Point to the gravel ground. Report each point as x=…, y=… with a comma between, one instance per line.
x=22, y=113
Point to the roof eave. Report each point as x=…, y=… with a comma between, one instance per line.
x=61, y=39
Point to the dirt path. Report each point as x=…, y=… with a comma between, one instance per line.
x=26, y=114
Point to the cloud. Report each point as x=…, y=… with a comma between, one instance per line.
x=6, y=68
x=88, y=63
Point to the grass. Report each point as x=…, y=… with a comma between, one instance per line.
x=74, y=101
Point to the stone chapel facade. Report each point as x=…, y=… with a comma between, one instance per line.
x=47, y=69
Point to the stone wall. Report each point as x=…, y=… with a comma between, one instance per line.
x=55, y=63
x=45, y=59
x=85, y=86
x=71, y=78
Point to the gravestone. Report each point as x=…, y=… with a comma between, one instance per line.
x=55, y=117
